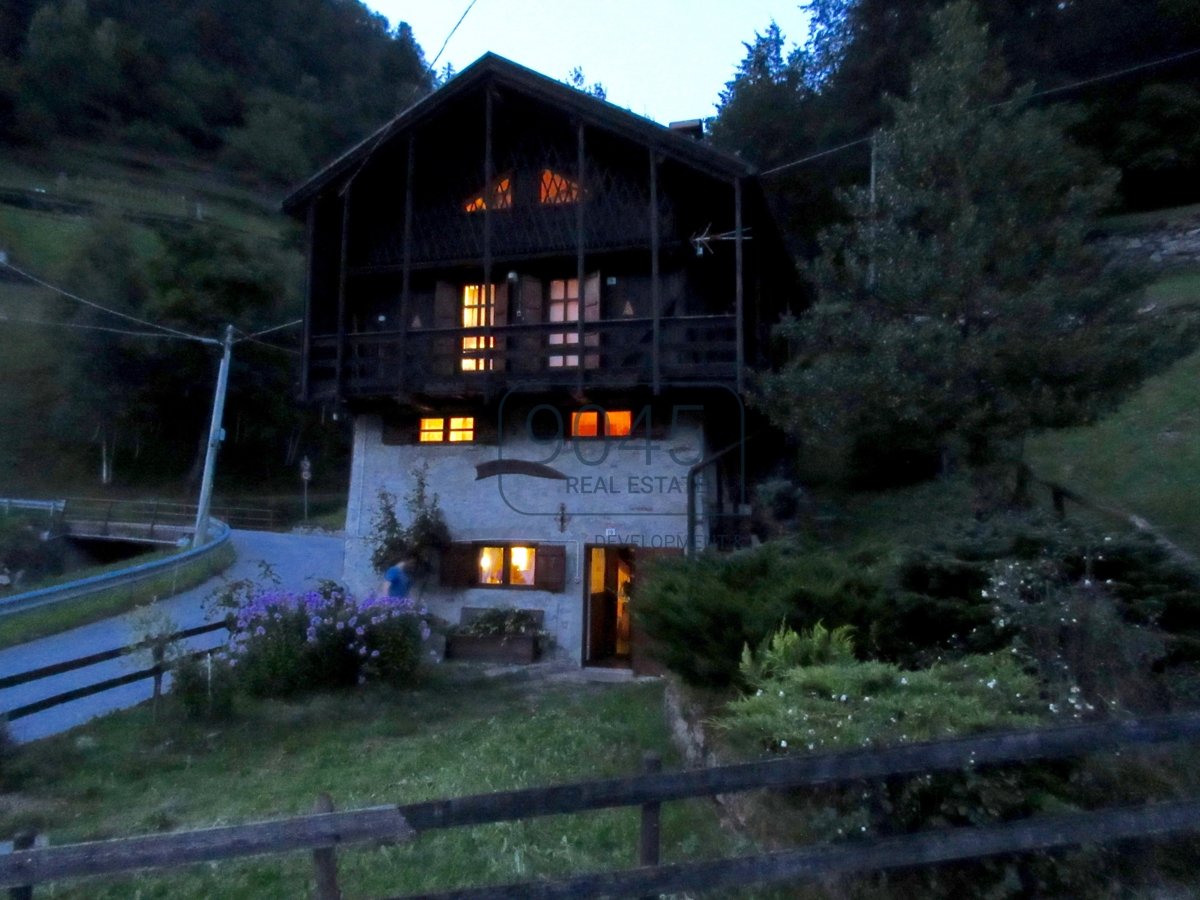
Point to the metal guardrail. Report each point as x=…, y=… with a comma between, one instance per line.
x=8, y=504
x=86, y=586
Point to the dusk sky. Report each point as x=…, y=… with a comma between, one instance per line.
x=664, y=59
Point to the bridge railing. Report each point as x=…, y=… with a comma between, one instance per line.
x=84, y=587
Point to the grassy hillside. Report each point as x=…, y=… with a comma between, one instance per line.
x=1145, y=456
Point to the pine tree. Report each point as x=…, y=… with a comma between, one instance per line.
x=960, y=306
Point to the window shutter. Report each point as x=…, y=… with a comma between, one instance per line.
x=591, y=298
x=459, y=566
x=501, y=317
x=397, y=432
x=551, y=571
x=445, y=306
x=531, y=300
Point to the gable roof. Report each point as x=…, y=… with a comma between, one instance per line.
x=498, y=70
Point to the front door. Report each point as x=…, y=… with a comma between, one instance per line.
x=607, y=632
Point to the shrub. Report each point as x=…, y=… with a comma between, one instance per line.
x=204, y=687
x=502, y=621
x=285, y=643
x=787, y=649
x=421, y=541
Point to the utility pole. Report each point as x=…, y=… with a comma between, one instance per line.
x=871, y=249
x=214, y=441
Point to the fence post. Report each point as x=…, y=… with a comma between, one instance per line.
x=23, y=840
x=325, y=859
x=648, y=854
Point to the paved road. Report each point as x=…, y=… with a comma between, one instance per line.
x=299, y=561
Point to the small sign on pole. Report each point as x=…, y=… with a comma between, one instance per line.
x=306, y=477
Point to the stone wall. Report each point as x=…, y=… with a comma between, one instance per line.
x=1167, y=246
x=636, y=495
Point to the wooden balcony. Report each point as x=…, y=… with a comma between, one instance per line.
x=461, y=362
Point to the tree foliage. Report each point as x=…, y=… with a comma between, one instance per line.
x=278, y=84
x=960, y=307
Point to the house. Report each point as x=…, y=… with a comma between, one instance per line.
x=547, y=304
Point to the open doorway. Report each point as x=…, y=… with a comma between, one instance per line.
x=607, y=633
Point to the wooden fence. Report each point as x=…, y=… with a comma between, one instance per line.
x=324, y=829
x=156, y=671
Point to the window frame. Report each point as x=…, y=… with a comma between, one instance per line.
x=447, y=429
x=505, y=564
x=602, y=425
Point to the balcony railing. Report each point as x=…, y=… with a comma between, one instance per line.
x=445, y=361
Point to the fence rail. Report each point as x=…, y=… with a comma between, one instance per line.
x=33, y=866
x=155, y=671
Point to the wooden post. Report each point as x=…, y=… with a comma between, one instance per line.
x=23, y=841
x=648, y=852
x=344, y=254
x=406, y=284
x=325, y=859
x=484, y=356
x=655, y=288
x=310, y=231
x=579, y=242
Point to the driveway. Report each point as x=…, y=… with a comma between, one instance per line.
x=300, y=561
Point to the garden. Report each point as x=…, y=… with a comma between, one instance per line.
x=929, y=625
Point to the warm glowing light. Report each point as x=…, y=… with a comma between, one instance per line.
x=556, y=189
x=585, y=424
x=491, y=565
x=501, y=196
x=478, y=311
x=521, y=561
x=618, y=423
x=462, y=429
x=432, y=430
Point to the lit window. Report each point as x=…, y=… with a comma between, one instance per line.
x=478, y=311
x=433, y=431
x=556, y=189
x=510, y=565
x=564, y=307
x=499, y=197
x=455, y=430
x=617, y=423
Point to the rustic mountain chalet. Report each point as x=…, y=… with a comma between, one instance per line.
x=549, y=304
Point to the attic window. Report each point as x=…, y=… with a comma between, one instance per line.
x=500, y=196
x=556, y=189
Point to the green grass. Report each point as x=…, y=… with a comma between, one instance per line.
x=1178, y=287
x=126, y=775
x=1143, y=458
x=57, y=617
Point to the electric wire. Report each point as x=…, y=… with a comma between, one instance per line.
x=1042, y=93
x=250, y=337
x=112, y=312
x=4, y=317
x=442, y=49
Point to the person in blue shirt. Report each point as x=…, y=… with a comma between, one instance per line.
x=398, y=582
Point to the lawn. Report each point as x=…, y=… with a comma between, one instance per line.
x=453, y=736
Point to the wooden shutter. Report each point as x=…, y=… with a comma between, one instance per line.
x=550, y=573
x=446, y=306
x=500, y=319
x=591, y=298
x=531, y=300
x=398, y=431
x=459, y=566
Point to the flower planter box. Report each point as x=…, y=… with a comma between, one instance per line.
x=517, y=649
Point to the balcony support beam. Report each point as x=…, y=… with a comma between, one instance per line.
x=310, y=261
x=579, y=245
x=341, y=303
x=655, y=280
x=406, y=283
x=488, y=299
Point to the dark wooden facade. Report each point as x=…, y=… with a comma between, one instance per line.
x=508, y=179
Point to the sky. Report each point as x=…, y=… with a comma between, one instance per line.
x=664, y=59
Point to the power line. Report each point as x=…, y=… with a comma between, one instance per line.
x=4, y=317
x=470, y=6
x=253, y=340
x=250, y=337
x=112, y=312
x=1055, y=90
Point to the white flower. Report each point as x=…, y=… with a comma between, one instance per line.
x=904, y=679
x=992, y=683
x=783, y=744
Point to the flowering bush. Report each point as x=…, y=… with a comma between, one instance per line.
x=284, y=642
